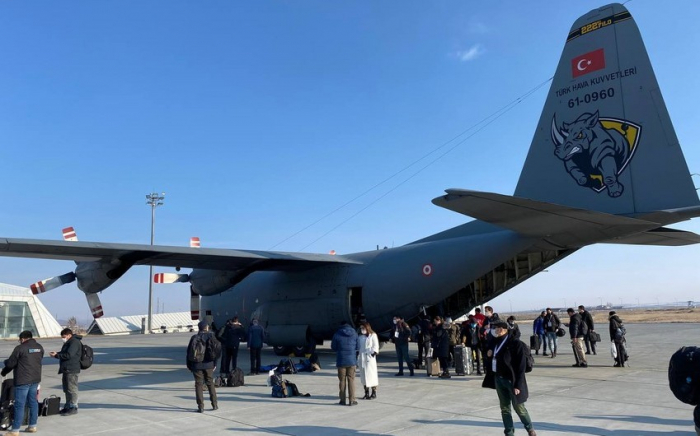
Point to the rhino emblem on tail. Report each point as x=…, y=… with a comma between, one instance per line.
x=596, y=150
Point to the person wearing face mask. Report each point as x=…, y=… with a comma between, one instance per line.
x=69, y=366
x=368, y=348
x=513, y=328
x=507, y=376
x=400, y=335
x=470, y=338
x=441, y=345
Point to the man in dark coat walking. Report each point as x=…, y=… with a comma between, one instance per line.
x=577, y=330
x=507, y=376
x=441, y=345
x=203, y=368
x=588, y=319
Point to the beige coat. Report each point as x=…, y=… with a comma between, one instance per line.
x=367, y=365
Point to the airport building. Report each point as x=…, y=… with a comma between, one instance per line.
x=21, y=310
x=136, y=324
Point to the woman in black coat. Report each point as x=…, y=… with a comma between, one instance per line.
x=617, y=336
x=440, y=342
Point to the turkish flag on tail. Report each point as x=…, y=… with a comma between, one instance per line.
x=587, y=63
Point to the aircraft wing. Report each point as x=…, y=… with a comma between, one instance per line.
x=561, y=225
x=185, y=257
x=663, y=236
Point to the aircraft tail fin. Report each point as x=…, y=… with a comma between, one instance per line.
x=605, y=141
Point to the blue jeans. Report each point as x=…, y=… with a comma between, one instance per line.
x=544, y=342
x=552, y=341
x=25, y=395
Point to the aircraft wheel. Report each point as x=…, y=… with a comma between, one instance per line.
x=281, y=350
x=300, y=351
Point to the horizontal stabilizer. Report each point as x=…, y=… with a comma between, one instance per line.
x=662, y=236
x=561, y=225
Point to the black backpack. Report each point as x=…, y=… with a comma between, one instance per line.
x=684, y=375
x=86, y=357
x=236, y=378
x=529, y=359
x=197, y=349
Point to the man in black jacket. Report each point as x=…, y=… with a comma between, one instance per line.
x=577, y=331
x=203, y=367
x=69, y=366
x=231, y=337
x=25, y=360
x=588, y=319
x=507, y=376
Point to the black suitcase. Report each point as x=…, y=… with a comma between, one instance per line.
x=7, y=391
x=535, y=342
x=50, y=406
x=463, y=360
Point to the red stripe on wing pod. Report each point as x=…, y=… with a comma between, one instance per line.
x=158, y=278
x=194, y=314
x=194, y=242
x=69, y=234
x=37, y=288
x=97, y=312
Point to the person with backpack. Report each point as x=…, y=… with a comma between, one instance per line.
x=513, y=328
x=202, y=353
x=551, y=325
x=69, y=366
x=507, y=376
x=25, y=361
x=617, y=336
x=588, y=319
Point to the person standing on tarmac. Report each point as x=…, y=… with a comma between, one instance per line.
x=400, y=335
x=344, y=343
x=507, y=376
x=551, y=324
x=538, y=330
x=256, y=336
x=588, y=319
x=25, y=361
x=203, y=367
x=441, y=345
x=368, y=349
x=577, y=331
x=69, y=366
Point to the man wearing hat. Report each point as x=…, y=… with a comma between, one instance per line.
x=202, y=353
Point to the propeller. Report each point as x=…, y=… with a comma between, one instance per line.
x=54, y=282
x=164, y=278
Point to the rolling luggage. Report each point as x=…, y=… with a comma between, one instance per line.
x=50, y=406
x=535, y=342
x=463, y=361
x=432, y=366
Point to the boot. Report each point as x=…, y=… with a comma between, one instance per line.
x=366, y=397
x=374, y=393
x=410, y=368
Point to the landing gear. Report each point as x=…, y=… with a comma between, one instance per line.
x=281, y=350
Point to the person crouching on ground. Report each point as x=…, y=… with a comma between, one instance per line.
x=507, y=376
x=368, y=348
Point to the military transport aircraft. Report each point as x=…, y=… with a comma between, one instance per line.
x=604, y=166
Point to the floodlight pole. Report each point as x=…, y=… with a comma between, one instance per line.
x=154, y=200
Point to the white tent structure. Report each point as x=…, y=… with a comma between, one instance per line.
x=133, y=324
x=21, y=310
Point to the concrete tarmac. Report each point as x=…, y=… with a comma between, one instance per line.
x=139, y=385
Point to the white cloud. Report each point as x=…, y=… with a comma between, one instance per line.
x=471, y=53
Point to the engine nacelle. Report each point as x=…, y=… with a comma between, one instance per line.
x=94, y=277
x=211, y=282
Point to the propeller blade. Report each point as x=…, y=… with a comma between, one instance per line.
x=51, y=283
x=194, y=242
x=194, y=305
x=95, y=305
x=69, y=234
x=170, y=278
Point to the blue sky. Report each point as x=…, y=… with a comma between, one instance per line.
x=259, y=118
